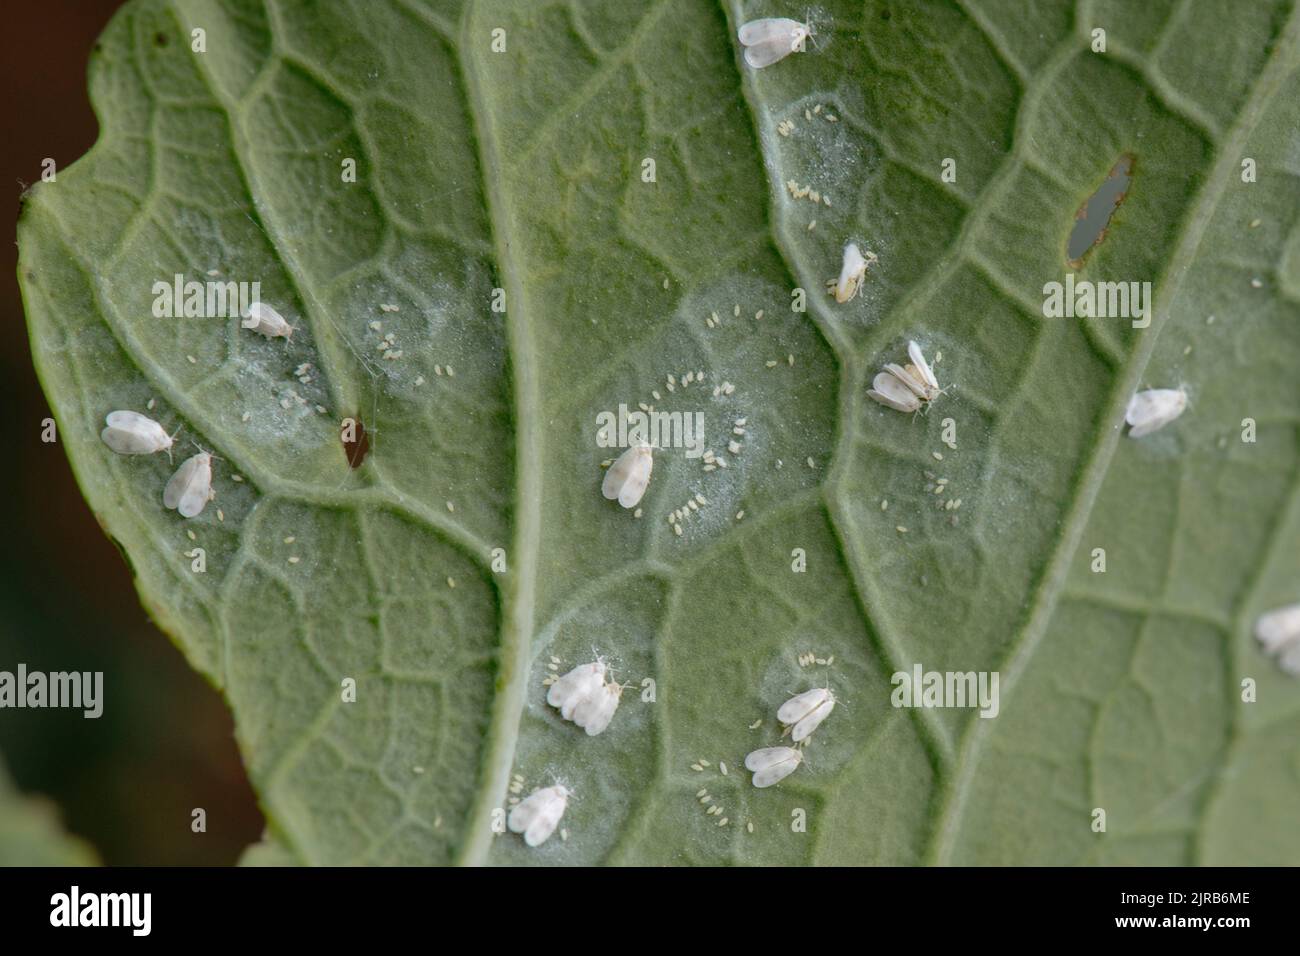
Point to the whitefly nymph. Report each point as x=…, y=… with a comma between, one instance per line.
x=1153, y=409
x=626, y=480
x=773, y=764
x=853, y=272
x=539, y=813
x=772, y=39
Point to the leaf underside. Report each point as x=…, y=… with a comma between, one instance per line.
x=523, y=170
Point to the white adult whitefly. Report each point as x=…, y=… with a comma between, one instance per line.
x=853, y=272
x=905, y=387
x=891, y=391
x=1278, y=633
x=584, y=696
x=130, y=433
x=910, y=378
x=922, y=368
x=576, y=686
x=773, y=764
x=594, y=713
x=538, y=814
x=916, y=375
x=1153, y=409
x=627, y=479
x=265, y=320
x=772, y=39
x=805, y=712
x=190, y=489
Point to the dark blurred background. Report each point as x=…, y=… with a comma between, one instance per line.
x=128, y=781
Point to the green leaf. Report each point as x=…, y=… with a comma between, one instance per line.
x=523, y=171
x=31, y=833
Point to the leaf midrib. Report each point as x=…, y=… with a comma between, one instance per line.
x=519, y=586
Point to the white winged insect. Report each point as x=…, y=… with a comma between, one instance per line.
x=888, y=390
x=263, y=319
x=806, y=711
x=595, y=711
x=585, y=697
x=920, y=371
x=575, y=687
x=853, y=272
x=190, y=489
x=538, y=814
x=772, y=39
x=130, y=433
x=773, y=764
x=905, y=388
x=1278, y=633
x=1153, y=409
x=626, y=480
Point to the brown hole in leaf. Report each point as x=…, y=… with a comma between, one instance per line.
x=356, y=443
x=1094, y=215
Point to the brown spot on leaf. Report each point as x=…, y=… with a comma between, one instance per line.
x=356, y=443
